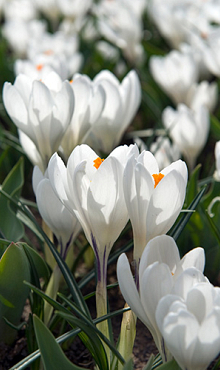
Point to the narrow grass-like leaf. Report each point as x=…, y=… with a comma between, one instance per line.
x=192, y=186
x=149, y=363
x=37, y=263
x=84, y=318
x=217, y=365
x=171, y=365
x=157, y=361
x=56, y=305
x=176, y=231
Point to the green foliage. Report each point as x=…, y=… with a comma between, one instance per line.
x=10, y=227
x=14, y=268
x=52, y=355
x=16, y=265
x=171, y=365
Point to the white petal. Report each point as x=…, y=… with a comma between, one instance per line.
x=186, y=281
x=106, y=207
x=15, y=106
x=155, y=283
x=162, y=249
x=194, y=258
x=37, y=177
x=128, y=288
x=165, y=204
x=58, y=177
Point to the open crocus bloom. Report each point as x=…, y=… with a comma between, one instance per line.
x=154, y=199
x=92, y=189
x=190, y=326
x=159, y=273
x=41, y=110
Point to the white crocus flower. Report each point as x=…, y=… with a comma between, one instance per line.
x=118, y=23
x=20, y=9
x=60, y=220
x=190, y=326
x=164, y=151
x=41, y=110
x=62, y=223
x=74, y=8
x=121, y=104
x=160, y=270
x=90, y=100
x=174, y=73
x=217, y=161
x=188, y=129
x=204, y=93
x=92, y=189
x=41, y=65
x=58, y=50
x=211, y=52
x=19, y=34
x=154, y=199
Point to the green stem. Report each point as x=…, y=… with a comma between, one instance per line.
x=101, y=301
x=51, y=291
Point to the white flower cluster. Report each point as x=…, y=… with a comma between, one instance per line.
x=39, y=51
x=177, y=303
x=192, y=28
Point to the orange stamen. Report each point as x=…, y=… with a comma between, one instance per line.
x=157, y=178
x=48, y=52
x=97, y=162
x=71, y=81
x=39, y=67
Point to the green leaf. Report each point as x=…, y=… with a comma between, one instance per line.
x=52, y=355
x=21, y=365
x=68, y=276
x=36, y=260
x=150, y=362
x=10, y=226
x=215, y=127
x=6, y=302
x=91, y=340
x=91, y=324
x=171, y=365
x=14, y=268
x=129, y=365
x=192, y=187
x=3, y=246
x=176, y=231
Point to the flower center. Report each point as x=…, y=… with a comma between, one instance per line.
x=48, y=52
x=39, y=67
x=157, y=177
x=97, y=162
